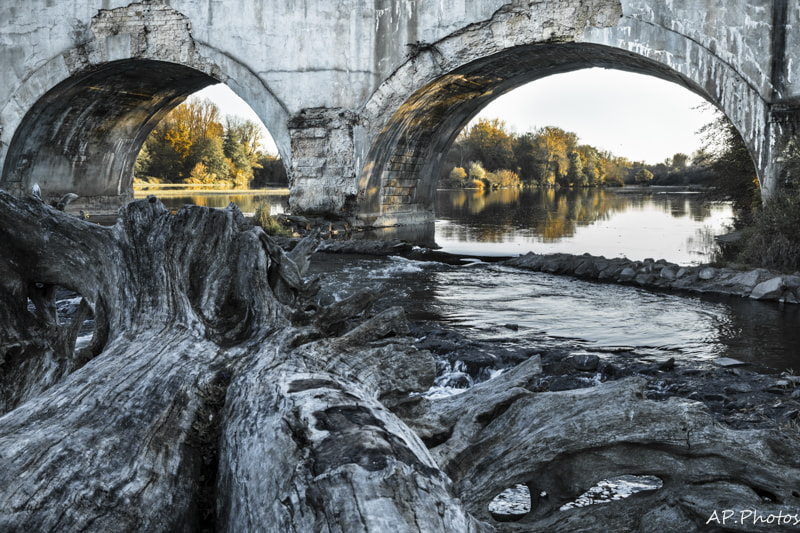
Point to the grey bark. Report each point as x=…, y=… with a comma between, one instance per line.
x=216, y=394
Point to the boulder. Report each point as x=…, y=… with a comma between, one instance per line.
x=746, y=279
x=772, y=289
x=667, y=273
x=707, y=273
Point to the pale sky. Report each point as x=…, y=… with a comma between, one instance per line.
x=632, y=115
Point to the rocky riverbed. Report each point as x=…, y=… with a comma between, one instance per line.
x=739, y=394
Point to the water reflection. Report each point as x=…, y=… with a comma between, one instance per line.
x=246, y=201
x=636, y=223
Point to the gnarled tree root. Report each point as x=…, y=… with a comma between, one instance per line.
x=219, y=394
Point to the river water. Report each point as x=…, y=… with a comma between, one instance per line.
x=480, y=299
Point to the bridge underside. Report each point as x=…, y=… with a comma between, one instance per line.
x=399, y=179
x=372, y=151
x=83, y=136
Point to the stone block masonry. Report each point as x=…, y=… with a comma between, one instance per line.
x=362, y=98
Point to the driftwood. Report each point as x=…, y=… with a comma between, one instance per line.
x=216, y=394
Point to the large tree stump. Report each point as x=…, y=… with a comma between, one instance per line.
x=216, y=394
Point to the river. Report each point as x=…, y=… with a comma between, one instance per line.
x=480, y=299
x=502, y=313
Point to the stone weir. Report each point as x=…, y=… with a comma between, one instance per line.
x=759, y=284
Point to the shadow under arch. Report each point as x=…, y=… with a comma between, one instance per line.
x=84, y=134
x=398, y=180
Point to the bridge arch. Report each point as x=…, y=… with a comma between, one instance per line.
x=416, y=114
x=80, y=120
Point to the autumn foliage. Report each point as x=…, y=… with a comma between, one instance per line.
x=546, y=157
x=194, y=144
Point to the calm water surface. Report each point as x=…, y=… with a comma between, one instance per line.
x=246, y=201
x=662, y=223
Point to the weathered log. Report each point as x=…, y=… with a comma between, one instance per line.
x=338, y=459
x=218, y=394
x=129, y=441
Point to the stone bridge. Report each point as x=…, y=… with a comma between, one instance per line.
x=363, y=98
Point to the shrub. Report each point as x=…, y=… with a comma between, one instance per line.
x=270, y=225
x=458, y=174
x=773, y=240
x=506, y=178
x=476, y=171
x=643, y=176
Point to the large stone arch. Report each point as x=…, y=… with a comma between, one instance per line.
x=415, y=115
x=80, y=119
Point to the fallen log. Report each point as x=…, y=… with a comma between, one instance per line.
x=217, y=394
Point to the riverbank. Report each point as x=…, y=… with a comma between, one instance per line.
x=660, y=275
x=758, y=284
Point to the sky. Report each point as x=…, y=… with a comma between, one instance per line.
x=632, y=115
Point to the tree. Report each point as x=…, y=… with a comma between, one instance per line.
x=240, y=169
x=210, y=152
x=269, y=171
x=164, y=162
x=575, y=175
x=526, y=158
x=679, y=162
x=593, y=168
x=218, y=393
x=142, y=164
x=726, y=155
x=490, y=143
x=643, y=176
x=555, y=144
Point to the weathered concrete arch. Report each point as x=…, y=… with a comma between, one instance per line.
x=452, y=79
x=80, y=120
x=359, y=93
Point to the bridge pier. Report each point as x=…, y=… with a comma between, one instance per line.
x=782, y=131
x=323, y=164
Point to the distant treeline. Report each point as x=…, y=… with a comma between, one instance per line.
x=192, y=145
x=488, y=155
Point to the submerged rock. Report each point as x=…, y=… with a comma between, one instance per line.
x=585, y=362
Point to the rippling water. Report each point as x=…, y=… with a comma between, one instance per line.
x=480, y=299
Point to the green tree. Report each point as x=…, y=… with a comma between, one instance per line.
x=489, y=142
x=165, y=163
x=142, y=164
x=269, y=171
x=643, y=176
x=209, y=151
x=575, y=175
x=241, y=171
x=526, y=156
